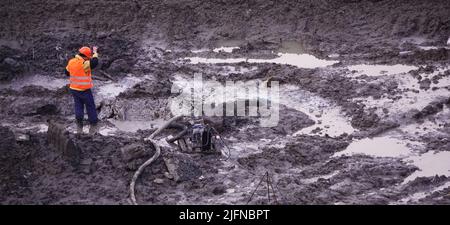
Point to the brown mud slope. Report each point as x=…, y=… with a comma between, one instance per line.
x=40, y=36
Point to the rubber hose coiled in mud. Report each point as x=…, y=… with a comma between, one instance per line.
x=184, y=129
x=149, y=161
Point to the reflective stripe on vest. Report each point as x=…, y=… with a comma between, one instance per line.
x=80, y=83
x=80, y=78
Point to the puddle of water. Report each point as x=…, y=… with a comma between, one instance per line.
x=409, y=100
x=426, y=48
x=315, y=179
x=379, y=70
x=334, y=55
x=225, y=49
x=327, y=116
x=405, y=52
x=113, y=89
x=48, y=82
x=200, y=50
x=211, y=92
x=134, y=126
x=24, y=127
x=244, y=149
x=414, y=40
x=42, y=128
x=420, y=195
x=298, y=60
x=106, y=131
x=430, y=164
x=378, y=147
x=428, y=127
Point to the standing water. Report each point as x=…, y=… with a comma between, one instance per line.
x=298, y=60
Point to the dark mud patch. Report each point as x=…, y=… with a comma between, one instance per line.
x=300, y=151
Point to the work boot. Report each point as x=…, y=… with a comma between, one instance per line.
x=79, y=127
x=93, y=129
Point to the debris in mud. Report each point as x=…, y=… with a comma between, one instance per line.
x=181, y=166
x=365, y=120
x=10, y=63
x=425, y=83
x=430, y=109
x=119, y=66
x=60, y=139
x=48, y=109
x=135, y=154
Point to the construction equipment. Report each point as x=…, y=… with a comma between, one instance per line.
x=199, y=138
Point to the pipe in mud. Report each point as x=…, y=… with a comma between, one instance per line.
x=184, y=129
x=153, y=158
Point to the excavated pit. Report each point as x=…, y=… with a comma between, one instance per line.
x=363, y=109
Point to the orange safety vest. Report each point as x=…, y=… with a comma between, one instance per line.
x=80, y=74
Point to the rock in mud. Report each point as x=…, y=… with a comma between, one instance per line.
x=106, y=109
x=135, y=155
x=425, y=84
x=365, y=120
x=133, y=151
x=48, y=109
x=119, y=66
x=430, y=109
x=181, y=166
x=157, y=87
x=219, y=190
x=10, y=66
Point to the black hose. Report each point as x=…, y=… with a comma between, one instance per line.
x=184, y=129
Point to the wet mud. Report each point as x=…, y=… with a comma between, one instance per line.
x=364, y=101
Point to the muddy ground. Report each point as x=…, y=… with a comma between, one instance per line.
x=349, y=132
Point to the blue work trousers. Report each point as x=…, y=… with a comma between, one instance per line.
x=84, y=99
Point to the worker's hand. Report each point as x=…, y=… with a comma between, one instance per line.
x=95, y=48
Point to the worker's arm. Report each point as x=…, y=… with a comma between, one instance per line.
x=94, y=59
x=66, y=70
x=91, y=63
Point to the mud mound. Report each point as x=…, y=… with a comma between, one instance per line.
x=46, y=177
x=50, y=33
x=12, y=180
x=29, y=102
x=303, y=150
x=11, y=63
x=350, y=184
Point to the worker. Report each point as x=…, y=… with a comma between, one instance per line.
x=79, y=69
